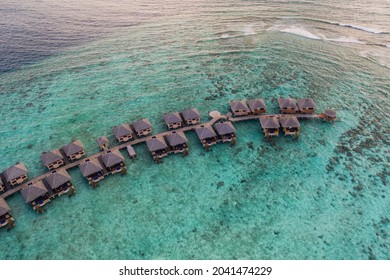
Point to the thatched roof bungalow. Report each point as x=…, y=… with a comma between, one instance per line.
x=53, y=159
x=142, y=127
x=257, y=106
x=177, y=142
x=191, y=116
x=103, y=142
x=173, y=120
x=287, y=105
x=123, y=132
x=92, y=170
x=290, y=125
x=59, y=182
x=239, y=108
x=36, y=195
x=114, y=161
x=157, y=147
x=226, y=131
x=270, y=126
x=306, y=105
x=16, y=174
x=74, y=150
x=206, y=135
x=5, y=215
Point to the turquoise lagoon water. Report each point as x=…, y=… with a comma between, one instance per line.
x=325, y=196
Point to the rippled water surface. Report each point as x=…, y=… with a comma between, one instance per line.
x=73, y=69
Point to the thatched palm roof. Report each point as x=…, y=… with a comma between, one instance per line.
x=90, y=167
x=58, y=178
x=156, y=144
x=176, y=138
x=112, y=158
x=15, y=171
x=74, y=147
x=33, y=191
x=205, y=132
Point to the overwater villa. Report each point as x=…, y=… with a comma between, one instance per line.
x=123, y=132
x=103, y=142
x=131, y=151
x=53, y=159
x=142, y=127
x=270, y=126
x=177, y=142
x=92, y=170
x=329, y=115
x=114, y=161
x=157, y=147
x=257, y=106
x=226, y=131
x=306, y=105
x=173, y=120
x=290, y=125
x=191, y=116
x=36, y=195
x=206, y=135
x=74, y=150
x=16, y=174
x=239, y=108
x=59, y=182
x=6, y=218
x=287, y=105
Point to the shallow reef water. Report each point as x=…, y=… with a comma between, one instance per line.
x=324, y=196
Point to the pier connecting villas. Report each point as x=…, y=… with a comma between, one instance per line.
x=39, y=191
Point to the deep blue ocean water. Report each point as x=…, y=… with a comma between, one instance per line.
x=73, y=69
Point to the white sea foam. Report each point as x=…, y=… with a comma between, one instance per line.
x=357, y=27
x=225, y=35
x=300, y=31
x=384, y=63
x=248, y=30
x=379, y=57
x=344, y=39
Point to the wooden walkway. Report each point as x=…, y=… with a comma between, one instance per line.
x=215, y=116
x=258, y=117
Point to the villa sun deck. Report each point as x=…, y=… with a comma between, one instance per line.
x=123, y=132
x=177, y=142
x=157, y=147
x=270, y=126
x=59, y=182
x=16, y=174
x=206, y=135
x=142, y=127
x=74, y=150
x=36, y=195
x=92, y=170
x=114, y=162
x=53, y=159
x=290, y=125
x=226, y=131
x=173, y=120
